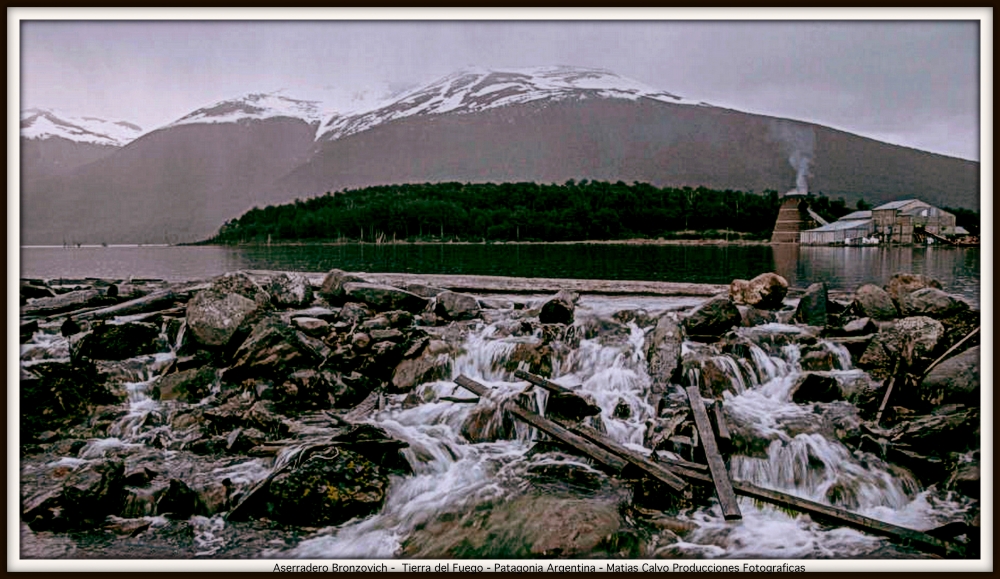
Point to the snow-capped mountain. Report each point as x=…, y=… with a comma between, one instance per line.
x=45, y=124
x=182, y=181
x=474, y=90
x=256, y=106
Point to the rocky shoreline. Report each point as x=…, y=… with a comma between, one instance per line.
x=136, y=395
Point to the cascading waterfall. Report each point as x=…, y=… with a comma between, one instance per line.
x=469, y=455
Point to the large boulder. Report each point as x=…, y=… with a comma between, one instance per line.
x=713, y=318
x=559, y=309
x=227, y=310
x=383, y=297
x=954, y=381
x=57, y=394
x=434, y=363
x=766, y=291
x=663, y=351
x=874, y=302
x=119, y=341
x=534, y=526
x=931, y=302
x=332, y=289
x=901, y=284
x=290, y=290
x=190, y=385
x=85, y=498
x=913, y=338
x=273, y=350
x=456, y=306
x=812, y=309
x=327, y=489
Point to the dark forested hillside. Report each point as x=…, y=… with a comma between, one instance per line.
x=517, y=212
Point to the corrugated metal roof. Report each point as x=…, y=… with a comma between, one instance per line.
x=857, y=215
x=900, y=204
x=842, y=224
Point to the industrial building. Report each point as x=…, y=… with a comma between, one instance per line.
x=898, y=222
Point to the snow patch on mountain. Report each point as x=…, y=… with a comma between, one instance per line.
x=477, y=89
x=46, y=123
x=256, y=106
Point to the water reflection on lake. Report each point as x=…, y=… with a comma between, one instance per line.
x=842, y=268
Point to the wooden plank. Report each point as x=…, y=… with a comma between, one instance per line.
x=646, y=465
x=716, y=465
x=821, y=512
x=159, y=300
x=543, y=383
x=548, y=427
x=721, y=426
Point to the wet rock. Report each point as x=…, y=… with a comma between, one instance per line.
x=816, y=387
x=384, y=297
x=920, y=333
x=531, y=357
x=119, y=341
x=399, y=318
x=951, y=428
x=765, y=292
x=376, y=323
x=391, y=335
x=28, y=330
x=312, y=326
x=327, y=489
x=818, y=358
x=354, y=313
x=227, y=310
x=954, y=381
x=290, y=290
x=901, y=284
x=187, y=386
x=85, y=498
x=456, y=306
x=859, y=327
x=360, y=340
x=127, y=527
x=931, y=302
x=332, y=289
x=178, y=501
x=755, y=317
x=529, y=527
x=965, y=478
x=874, y=302
x=424, y=291
x=559, y=309
x=712, y=319
x=272, y=350
x=572, y=406
x=55, y=395
x=622, y=410
x=495, y=304
x=713, y=375
x=639, y=317
x=812, y=308
x=66, y=302
x=433, y=364
x=304, y=389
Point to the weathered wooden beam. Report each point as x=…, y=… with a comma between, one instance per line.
x=548, y=427
x=458, y=400
x=716, y=465
x=158, y=300
x=888, y=390
x=821, y=512
x=543, y=383
x=646, y=465
x=721, y=427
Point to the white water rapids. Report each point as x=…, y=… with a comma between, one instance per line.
x=452, y=476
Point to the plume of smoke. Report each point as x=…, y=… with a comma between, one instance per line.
x=798, y=140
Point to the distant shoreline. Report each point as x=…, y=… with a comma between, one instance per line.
x=580, y=242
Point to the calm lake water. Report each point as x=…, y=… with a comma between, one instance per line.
x=843, y=268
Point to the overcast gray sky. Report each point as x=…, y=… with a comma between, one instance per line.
x=910, y=83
